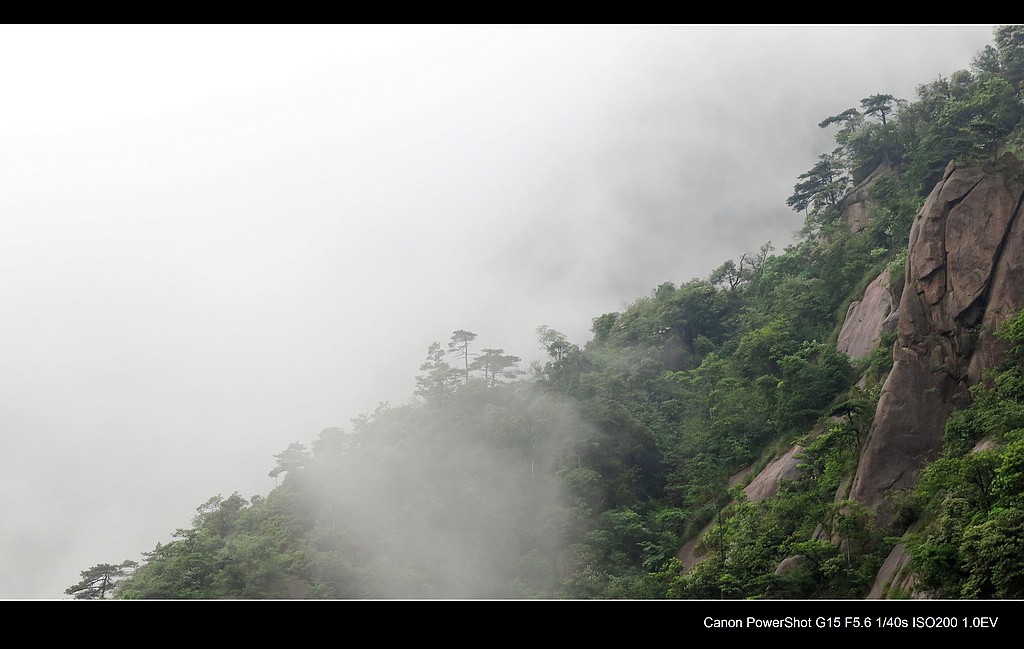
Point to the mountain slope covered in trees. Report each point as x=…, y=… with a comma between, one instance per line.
x=586, y=477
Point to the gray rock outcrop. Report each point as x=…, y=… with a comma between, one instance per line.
x=864, y=319
x=894, y=575
x=859, y=205
x=965, y=275
x=766, y=484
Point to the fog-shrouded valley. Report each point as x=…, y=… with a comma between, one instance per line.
x=219, y=241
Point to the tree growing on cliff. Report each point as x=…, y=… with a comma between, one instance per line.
x=100, y=581
x=820, y=189
x=880, y=105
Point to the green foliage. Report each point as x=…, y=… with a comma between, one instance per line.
x=294, y=458
x=864, y=145
x=820, y=188
x=1012, y=331
x=761, y=351
x=1008, y=482
x=440, y=380
x=554, y=342
x=496, y=363
x=101, y=580
x=674, y=326
x=890, y=224
x=235, y=549
x=1010, y=48
x=730, y=274
x=972, y=540
x=993, y=556
x=880, y=105
x=810, y=379
x=965, y=118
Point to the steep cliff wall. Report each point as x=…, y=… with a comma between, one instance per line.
x=965, y=275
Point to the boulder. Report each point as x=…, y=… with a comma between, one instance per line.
x=789, y=564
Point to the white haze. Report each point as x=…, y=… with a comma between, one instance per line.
x=215, y=241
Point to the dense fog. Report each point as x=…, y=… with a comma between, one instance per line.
x=216, y=241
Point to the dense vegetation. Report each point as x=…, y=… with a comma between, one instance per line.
x=969, y=541
x=586, y=477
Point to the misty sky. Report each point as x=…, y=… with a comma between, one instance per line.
x=216, y=241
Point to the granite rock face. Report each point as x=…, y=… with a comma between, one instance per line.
x=767, y=482
x=863, y=325
x=859, y=205
x=965, y=275
x=893, y=575
x=765, y=485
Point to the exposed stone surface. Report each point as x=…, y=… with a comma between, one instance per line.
x=1006, y=296
x=984, y=445
x=690, y=554
x=890, y=578
x=738, y=477
x=766, y=484
x=789, y=564
x=891, y=323
x=859, y=204
x=964, y=277
x=863, y=325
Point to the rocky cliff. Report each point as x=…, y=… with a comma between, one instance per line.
x=965, y=275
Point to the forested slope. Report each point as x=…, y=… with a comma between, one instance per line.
x=584, y=477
